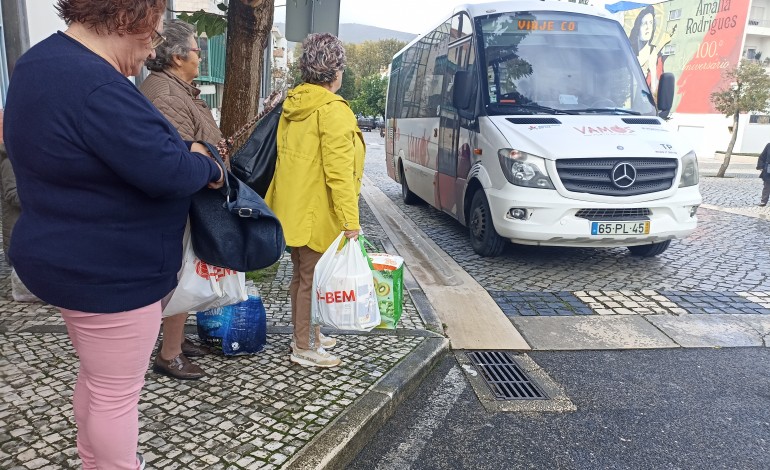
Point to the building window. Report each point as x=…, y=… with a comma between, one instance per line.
x=669, y=49
x=759, y=119
x=675, y=14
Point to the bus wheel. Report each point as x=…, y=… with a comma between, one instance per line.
x=484, y=239
x=407, y=196
x=647, y=251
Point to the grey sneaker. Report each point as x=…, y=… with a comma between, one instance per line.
x=314, y=358
x=140, y=459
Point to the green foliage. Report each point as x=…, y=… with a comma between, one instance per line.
x=371, y=96
x=211, y=24
x=295, y=77
x=369, y=57
x=263, y=275
x=348, y=89
x=749, y=90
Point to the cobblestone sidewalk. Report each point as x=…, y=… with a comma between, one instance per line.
x=251, y=412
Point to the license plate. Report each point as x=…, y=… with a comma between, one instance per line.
x=620, y=228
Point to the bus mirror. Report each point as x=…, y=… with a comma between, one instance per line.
x=665, y=94
x=462, y=91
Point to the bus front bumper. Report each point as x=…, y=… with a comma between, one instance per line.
x=552, y=220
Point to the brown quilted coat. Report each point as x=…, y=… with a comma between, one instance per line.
x=181, y=104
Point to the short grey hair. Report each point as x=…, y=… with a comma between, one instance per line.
x=177, y=43
x=322, y=56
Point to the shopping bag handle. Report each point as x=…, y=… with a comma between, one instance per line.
x=363, y=242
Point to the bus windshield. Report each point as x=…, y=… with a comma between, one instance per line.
x=560, y=63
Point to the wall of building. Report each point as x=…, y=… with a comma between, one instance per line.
x=43, y=21
x=697, y=45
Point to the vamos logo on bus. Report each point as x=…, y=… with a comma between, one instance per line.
x=614, y=130
x=338, y=296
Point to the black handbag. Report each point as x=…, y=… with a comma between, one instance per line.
x=232, y=227
x=254, y=162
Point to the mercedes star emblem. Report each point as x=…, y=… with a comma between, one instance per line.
x=623, y=175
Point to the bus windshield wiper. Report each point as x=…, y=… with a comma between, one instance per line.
x=534, y=108
x=607, y=110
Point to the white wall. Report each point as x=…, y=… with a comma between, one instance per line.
x=706, y=133
x=752, y=138
x=710, y=133
x=43, y=20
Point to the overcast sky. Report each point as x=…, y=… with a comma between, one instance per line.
x=411, y=16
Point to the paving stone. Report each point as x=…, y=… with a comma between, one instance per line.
x=251, y=411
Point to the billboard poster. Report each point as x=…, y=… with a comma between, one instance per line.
x=696, y=40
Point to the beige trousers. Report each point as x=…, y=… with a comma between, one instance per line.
x=301, y=290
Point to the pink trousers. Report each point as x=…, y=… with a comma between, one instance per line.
x=114, y=351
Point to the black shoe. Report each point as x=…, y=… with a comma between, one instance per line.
x=179, y=368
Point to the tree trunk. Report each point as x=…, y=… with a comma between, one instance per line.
x=248, y=30
x=729, y=152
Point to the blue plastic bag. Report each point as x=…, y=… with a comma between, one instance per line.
x=236, y=329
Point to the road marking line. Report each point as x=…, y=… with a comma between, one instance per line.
x=403, y=456
x=747, y=212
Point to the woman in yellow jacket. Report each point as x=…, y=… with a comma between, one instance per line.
x=317, y=182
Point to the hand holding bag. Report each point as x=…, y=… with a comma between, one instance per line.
x=343, y=289
x=232, y=227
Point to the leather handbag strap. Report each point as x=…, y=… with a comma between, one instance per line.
x=225, y=145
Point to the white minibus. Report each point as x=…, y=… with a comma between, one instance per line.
x=532, y=122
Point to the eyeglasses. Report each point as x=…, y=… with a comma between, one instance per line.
x=157, y=39
x=196, y=50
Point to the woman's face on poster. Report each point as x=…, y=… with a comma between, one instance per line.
x=646, y=27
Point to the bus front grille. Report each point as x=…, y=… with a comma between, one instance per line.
x=631, y=213
x=617, y=176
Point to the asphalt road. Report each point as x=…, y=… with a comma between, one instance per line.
x=661, y=409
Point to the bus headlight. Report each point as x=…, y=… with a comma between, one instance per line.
x=689, y=170
x=523, y=169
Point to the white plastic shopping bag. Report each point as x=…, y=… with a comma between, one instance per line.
x=19, y=291
x=343, y=289
x=203, y=286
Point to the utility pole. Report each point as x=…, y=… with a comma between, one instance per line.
x=15, y=30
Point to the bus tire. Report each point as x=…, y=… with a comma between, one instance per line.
x=647, y=251
x=484, y=238
x=407, y=196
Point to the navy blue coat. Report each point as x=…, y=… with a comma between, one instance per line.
x=763, y=161
x=104, y=182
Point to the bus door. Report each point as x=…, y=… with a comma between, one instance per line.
x=451, y=152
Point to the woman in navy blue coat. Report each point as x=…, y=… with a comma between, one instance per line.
x=763, y=164
x=105, y=184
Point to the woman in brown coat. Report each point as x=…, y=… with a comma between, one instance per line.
x=170, y=88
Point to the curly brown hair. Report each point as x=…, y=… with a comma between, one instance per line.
x=322, y=56
x=113, y=16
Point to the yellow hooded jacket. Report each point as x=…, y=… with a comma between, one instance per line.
x=318, y=172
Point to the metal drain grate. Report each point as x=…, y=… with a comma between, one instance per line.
x=504, y=377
